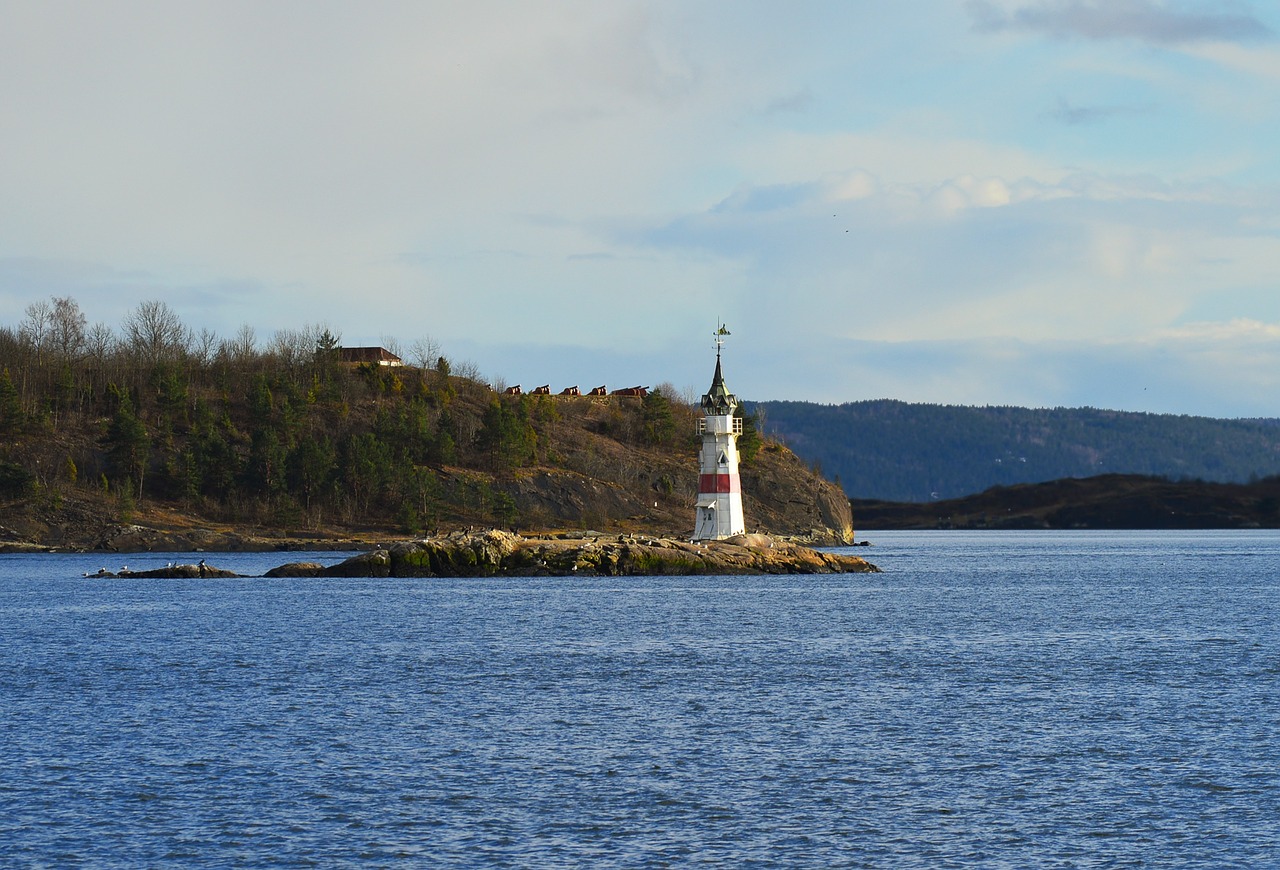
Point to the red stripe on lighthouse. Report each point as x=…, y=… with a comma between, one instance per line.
x=716, y=483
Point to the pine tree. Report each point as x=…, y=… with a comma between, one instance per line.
x=659, y=422
x=126, y=443
x=11, y=416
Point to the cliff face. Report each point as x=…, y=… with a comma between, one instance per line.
x=780, y=496
x=786, y=497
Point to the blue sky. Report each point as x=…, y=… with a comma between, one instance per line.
x=1031, y=202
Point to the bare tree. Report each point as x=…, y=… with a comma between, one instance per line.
x=35, y=328
x=467, y=370
x=426, y=352
x=297, y=349
x=155, y=332
x=245, y=345
x=323, y=338
x=204, y=346
x=292, y=347
x=67, y=328
x=100, y=343
x=391, y=343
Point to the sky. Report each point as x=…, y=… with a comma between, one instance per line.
x=994, y=202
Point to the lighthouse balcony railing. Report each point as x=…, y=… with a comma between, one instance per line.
x=719, y=425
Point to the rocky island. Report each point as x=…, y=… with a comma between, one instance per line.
x=499, y=553
x=496, y=552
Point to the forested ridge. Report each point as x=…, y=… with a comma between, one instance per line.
x=281, y=434
x=1109, y=501
x=897, y=451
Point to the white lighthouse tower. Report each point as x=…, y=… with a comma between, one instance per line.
x=719, y=511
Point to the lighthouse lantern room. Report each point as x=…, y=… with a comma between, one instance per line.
x=719, y=511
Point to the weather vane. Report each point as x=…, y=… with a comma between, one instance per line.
x=720, y=333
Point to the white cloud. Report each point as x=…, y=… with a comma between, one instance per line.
x=1230, y=332
x=1147, y=20
x=578, y=175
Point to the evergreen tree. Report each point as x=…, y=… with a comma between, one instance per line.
x=749, y=442
x=366, y=467
x=11, y=416
x=216, y=462
x=505, y=438
x=659, y=422
x=311, y=468
x=126, y=444
x=265, y=470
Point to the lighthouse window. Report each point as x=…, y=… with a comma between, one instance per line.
x=724, y=460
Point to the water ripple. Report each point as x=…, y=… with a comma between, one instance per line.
x=1006, y=700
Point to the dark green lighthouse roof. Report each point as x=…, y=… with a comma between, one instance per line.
x=718, y=401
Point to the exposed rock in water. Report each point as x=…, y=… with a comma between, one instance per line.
x=194, y=572
x=296, y=569
x=496, y=552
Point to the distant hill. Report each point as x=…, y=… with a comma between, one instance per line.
x=897, y=451
x=1112, y=501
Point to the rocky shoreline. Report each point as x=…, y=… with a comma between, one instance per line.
x=498, y=553
x=136, y=538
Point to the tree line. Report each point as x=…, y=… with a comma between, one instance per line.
x=900, y=451
x=281, y=431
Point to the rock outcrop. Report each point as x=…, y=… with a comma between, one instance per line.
x=199, y=571
x=494, y=552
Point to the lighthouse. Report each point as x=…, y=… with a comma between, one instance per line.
x=719, y=511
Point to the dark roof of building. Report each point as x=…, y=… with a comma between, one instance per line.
x=367, y=354
x=718, y=400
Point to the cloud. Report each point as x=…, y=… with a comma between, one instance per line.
x=1188, y=371
x=1073, y=116
x=1082, y=257
x=107, y=294
x=1170, y=375
x=1144, y=20
x=773, y=197
x=799, y=101
x=1241, y=330
x=582, y=177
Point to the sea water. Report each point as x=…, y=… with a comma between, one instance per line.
x=1000, y=699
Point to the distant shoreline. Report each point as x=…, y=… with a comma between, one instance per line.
x=1111, y=501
